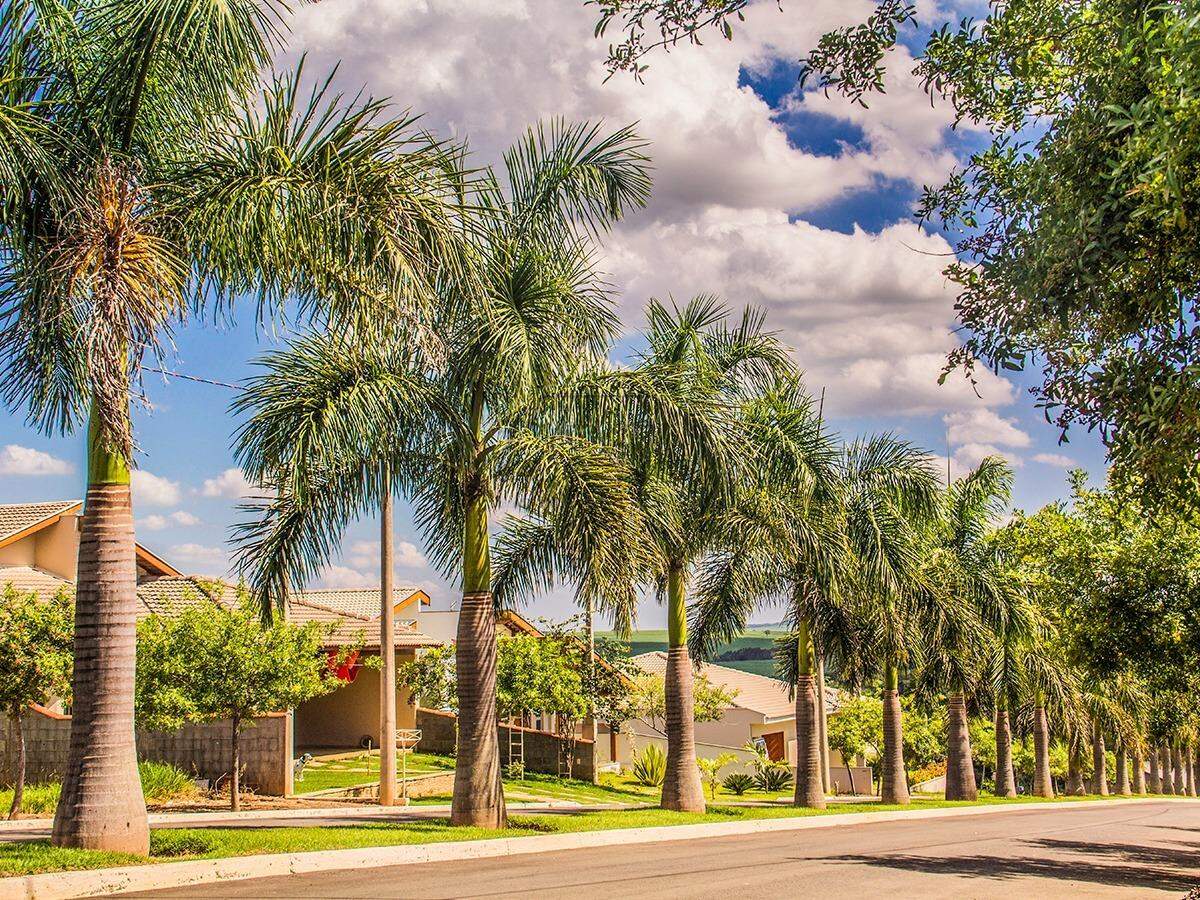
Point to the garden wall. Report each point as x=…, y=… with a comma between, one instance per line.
x=542, y=748
x=202, y=750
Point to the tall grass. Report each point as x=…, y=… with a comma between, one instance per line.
x=161, y=782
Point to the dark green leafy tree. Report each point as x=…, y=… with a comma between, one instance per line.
x=149, y=171
x=36, y=638
x=1074, y=227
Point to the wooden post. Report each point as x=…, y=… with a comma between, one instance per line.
x=387, y=650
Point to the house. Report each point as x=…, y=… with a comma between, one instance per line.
x=39, y=545
x=762, y=711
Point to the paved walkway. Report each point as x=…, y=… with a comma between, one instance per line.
x=1110, y=850
x=33, y=829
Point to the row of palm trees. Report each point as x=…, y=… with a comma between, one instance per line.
x=453, y=334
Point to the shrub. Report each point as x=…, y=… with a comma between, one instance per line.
x=171, y=842
x=515, y=771
x=773, y=778
x=738, y=783
x=650, y=766
x=162, y=782
x=925, y=773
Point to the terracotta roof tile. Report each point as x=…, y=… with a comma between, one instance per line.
x=16, y=517
x=362, y=602
x=31, y=578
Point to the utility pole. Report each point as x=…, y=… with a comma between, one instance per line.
x=387, y=647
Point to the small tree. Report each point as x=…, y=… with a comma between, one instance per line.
x=209, y=663
x=35, y=662
x=710, y=770
x=648, y=701
x=431, y=678
x=856, y=728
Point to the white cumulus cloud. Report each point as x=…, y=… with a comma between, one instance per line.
x=231, y=483
x=1057, y=460
x=18, y=460
x=153, y=490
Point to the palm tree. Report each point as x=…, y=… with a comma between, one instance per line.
x=783, y=538
x=511, y=409
x=891, y=496
x=971, y=594
x=149, y=180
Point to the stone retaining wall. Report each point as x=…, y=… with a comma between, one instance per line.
x=201, y=750
x=542, y=748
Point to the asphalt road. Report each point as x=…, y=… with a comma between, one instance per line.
x=1142, y=850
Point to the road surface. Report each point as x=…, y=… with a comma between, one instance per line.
x=1142, y=850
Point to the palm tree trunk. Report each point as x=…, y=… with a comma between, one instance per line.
x=1075, y=786
x=894, y=781
x=681, y=790
x=1168, y=779
x=1155, y=776
x=809, y=791
x=960, y=772
x=1176, y=772
x=1190, y=765
x=18, y=736
x=1139, y=772
x=1043, y=781
x=1006, y=781
x=826, y=777
x=235, y=783
x=1099, y=763
x=1122, y=780
x=478, y=791
x=387, y=647
x=101, y=806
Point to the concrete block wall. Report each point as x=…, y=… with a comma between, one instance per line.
x=206, y=751
x=542, y=748
x=47, y=742
x=202, y=750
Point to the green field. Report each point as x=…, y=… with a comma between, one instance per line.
x=762, y=637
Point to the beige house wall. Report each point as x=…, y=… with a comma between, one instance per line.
x=344, y=717
x=53, y=549
x=57, y=547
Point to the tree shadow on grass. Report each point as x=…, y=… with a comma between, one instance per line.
x=1120, y=865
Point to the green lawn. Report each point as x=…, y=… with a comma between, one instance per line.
x=28, y=857
x=321, y=774
x=651, y=639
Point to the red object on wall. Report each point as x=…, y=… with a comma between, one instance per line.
x=347, y=669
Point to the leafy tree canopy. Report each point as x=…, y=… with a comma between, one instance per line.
x=35, y=648
x=1075, y=227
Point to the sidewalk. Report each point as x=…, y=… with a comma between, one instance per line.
x=33, y=829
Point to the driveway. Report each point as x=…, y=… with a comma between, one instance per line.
x=1143, y=850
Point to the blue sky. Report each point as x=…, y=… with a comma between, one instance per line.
x=794, y=202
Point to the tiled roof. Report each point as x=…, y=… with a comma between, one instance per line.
x=352, y=629
x=768, y=696
x=172, y=593
x=16, y=517
x=31, y=578
x=362, y=602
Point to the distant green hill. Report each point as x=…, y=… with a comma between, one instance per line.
x=757, y=640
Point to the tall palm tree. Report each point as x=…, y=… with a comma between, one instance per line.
x=891, y=497
x=513, y=408
x=149, y=179
x=970, y=594
x=783, y=539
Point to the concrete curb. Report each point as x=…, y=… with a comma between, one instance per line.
x=69, y=885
